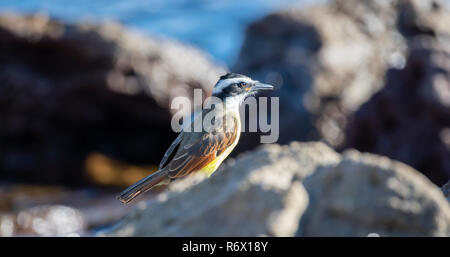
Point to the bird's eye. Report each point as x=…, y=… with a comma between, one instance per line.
x=243, y=84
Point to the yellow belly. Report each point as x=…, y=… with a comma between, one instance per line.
x=212, y=166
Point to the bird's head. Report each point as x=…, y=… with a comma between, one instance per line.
x=236, y=87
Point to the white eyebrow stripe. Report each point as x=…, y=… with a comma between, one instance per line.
x=224, y=83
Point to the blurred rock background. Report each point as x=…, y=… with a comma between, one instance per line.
x=329, y=60
x=85, y=111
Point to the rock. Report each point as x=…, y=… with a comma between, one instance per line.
x=70, y=89
x=409, y=119
x=410, y=17
x=303, y=189
x=366, y=194
x=33, y=210
x=258, y=194
x=328, y=60
x=446, y=190
x=418, y=17
x=47, y=220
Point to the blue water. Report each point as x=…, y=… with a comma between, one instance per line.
x=216, y=26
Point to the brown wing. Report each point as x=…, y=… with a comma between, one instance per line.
x=198, y=149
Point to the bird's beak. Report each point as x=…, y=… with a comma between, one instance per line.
x=261, y=86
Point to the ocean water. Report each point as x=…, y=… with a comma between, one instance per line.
x=216, y=26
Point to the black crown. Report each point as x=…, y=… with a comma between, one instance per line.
x=231, y=75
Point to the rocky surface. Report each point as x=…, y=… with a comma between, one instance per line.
x=67, y=90
x=258, y=194
x=409, y=119
x=328, y=60
x=366, y=194
x=33, y=210
x=45, y=220
x=446, y=190
x=262, y=193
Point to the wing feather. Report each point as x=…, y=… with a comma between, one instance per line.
x=200, y=148
x=171, y=151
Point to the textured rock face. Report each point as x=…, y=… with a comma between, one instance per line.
x=409, y=119
x=262, y=193
x=67, y=90
x=258, y=194
x=366, y=193
x=328, y=60
x=446, y=191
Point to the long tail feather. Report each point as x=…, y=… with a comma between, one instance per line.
x=142, y=186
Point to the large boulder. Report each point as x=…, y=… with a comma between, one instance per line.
x=70, y=89
x=258, y=194
x=366, y=194
x=409, y=119
x=328, y=60
x=262, y=193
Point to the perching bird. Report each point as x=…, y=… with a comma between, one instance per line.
x=205, y=149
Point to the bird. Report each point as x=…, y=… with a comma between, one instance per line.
x=203, y=150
